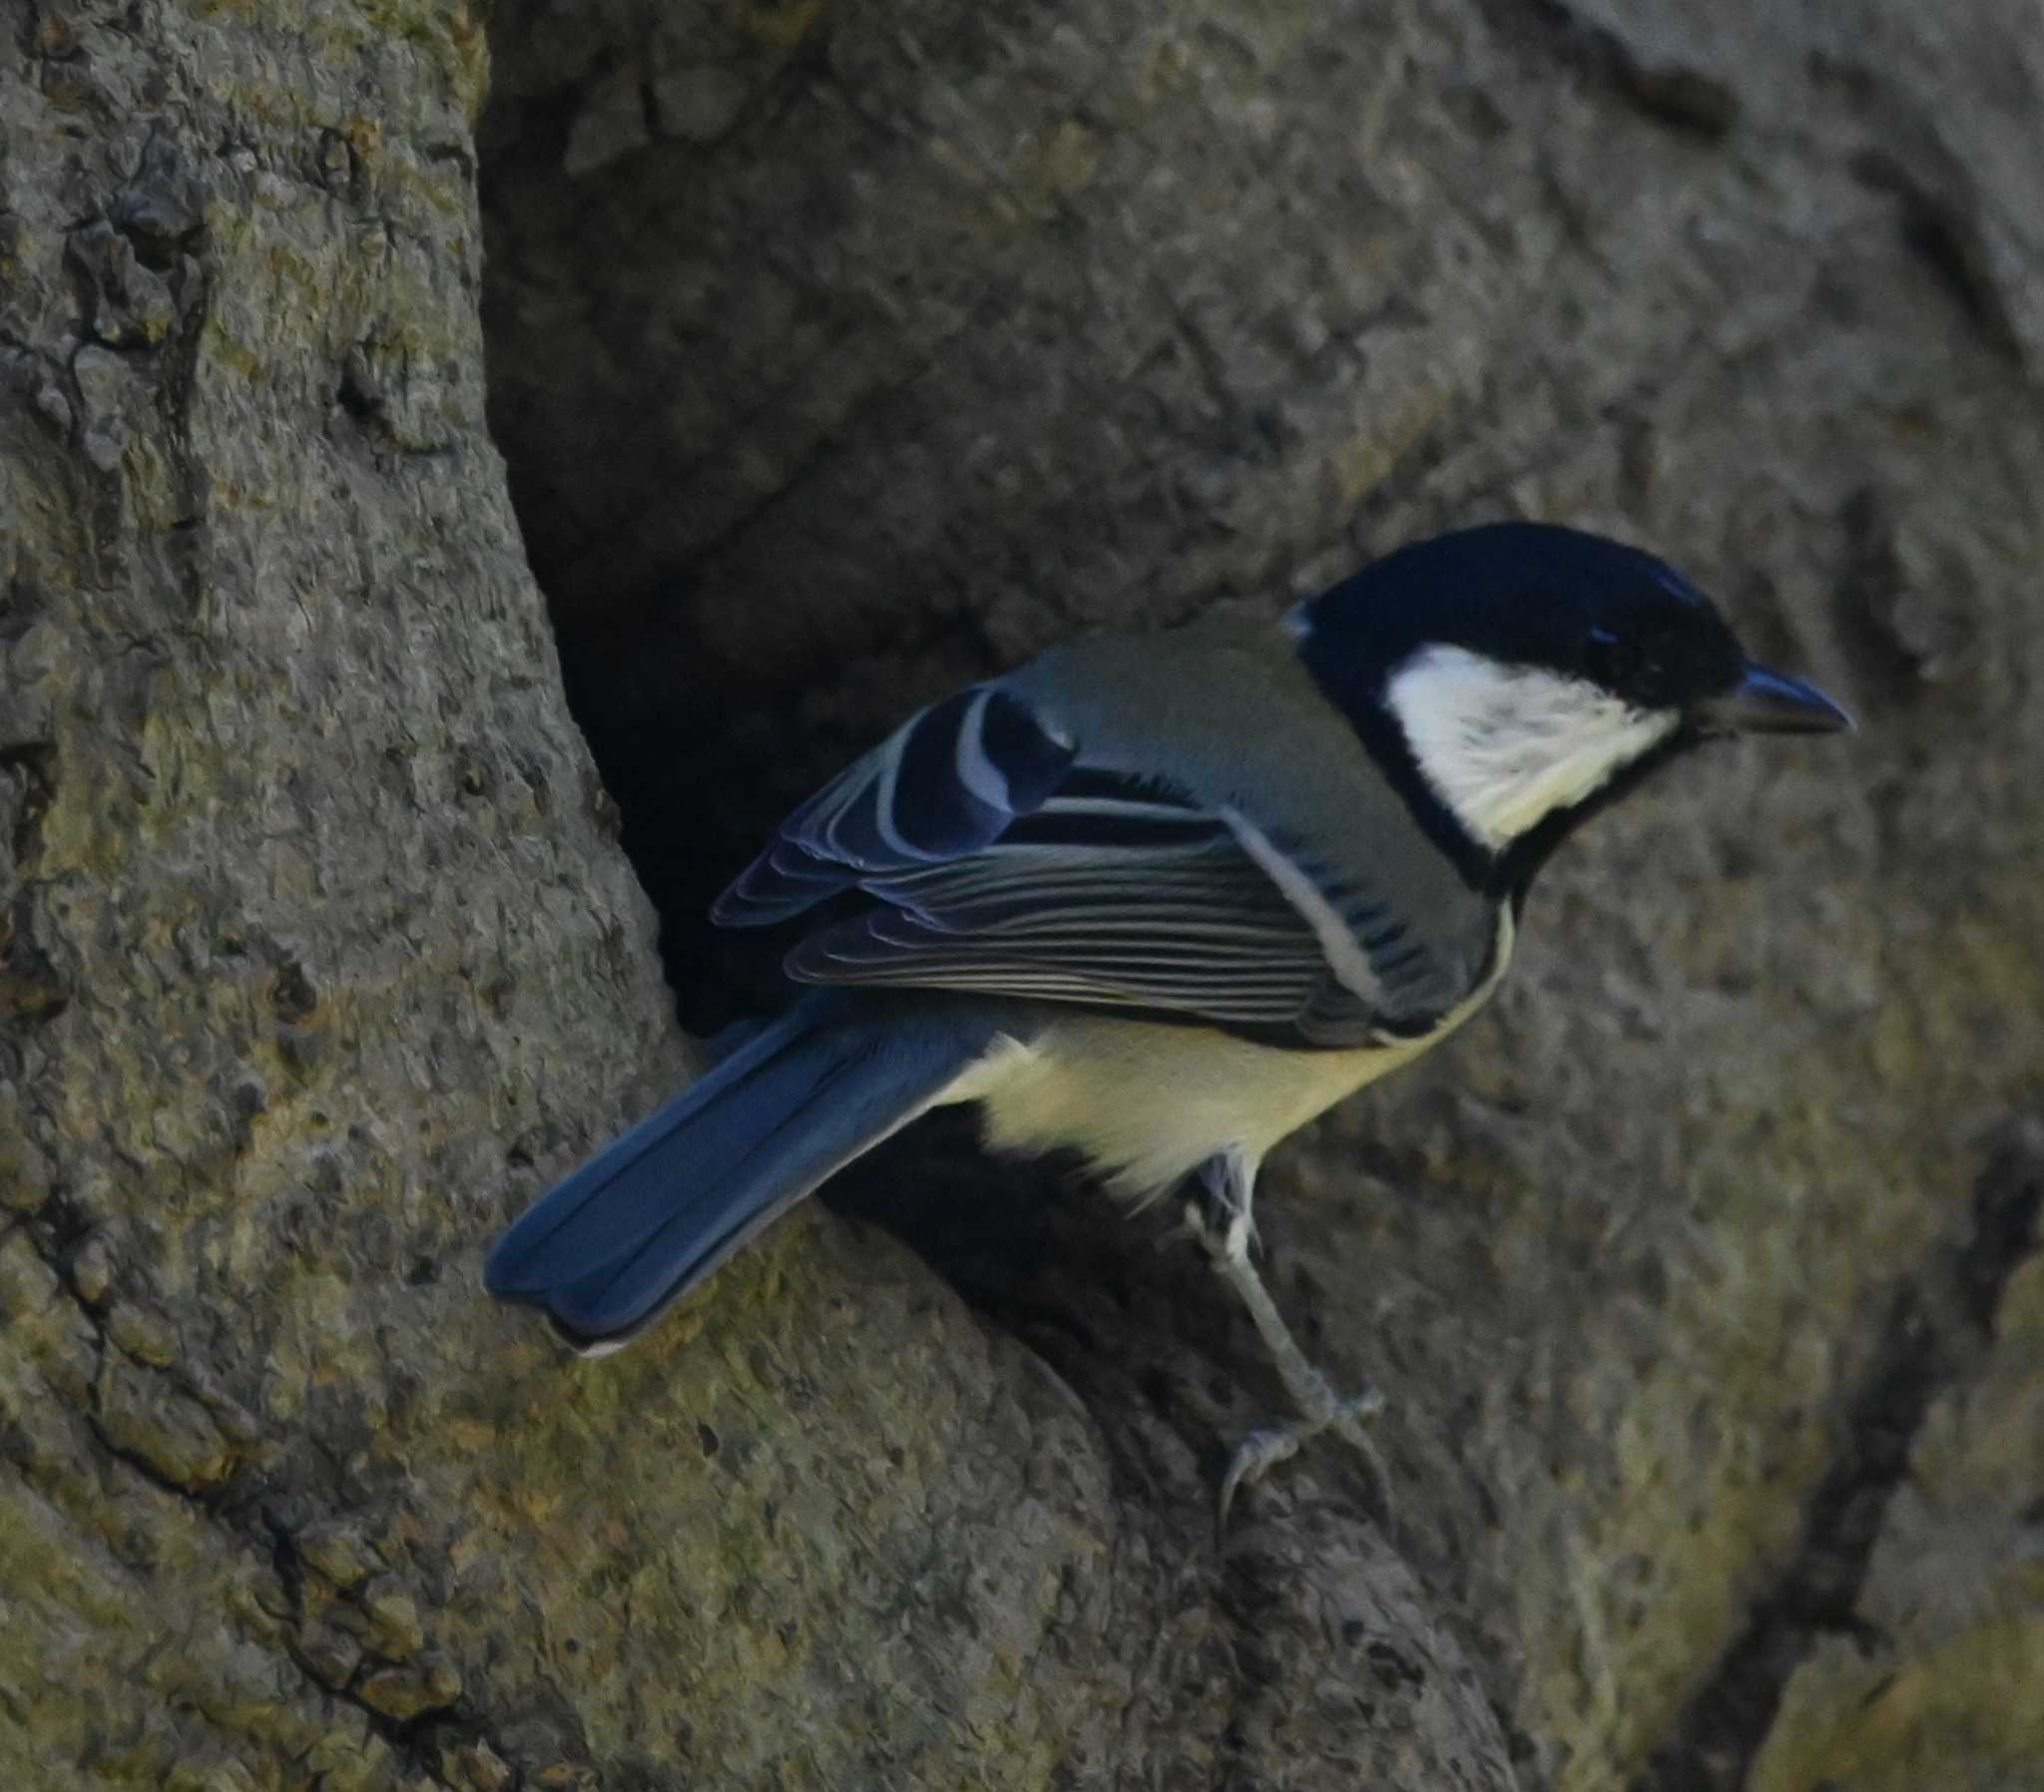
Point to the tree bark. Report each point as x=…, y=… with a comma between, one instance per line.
x=838, y=355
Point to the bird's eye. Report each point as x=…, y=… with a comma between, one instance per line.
x=1604, y=655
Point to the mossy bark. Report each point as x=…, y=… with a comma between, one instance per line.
x=841, y=354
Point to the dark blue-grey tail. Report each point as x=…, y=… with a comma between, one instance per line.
x=636, y=1227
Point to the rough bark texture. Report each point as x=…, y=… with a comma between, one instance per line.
x=839, y=354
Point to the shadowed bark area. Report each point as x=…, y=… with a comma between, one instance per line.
x=839, y=354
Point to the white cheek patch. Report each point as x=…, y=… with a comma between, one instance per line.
x=1504, y=747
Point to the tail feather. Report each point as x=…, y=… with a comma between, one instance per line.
x=646, y=1219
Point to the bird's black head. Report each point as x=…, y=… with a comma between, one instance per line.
x=1514, y=677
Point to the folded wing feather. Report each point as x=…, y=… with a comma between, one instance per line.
x=994, y=857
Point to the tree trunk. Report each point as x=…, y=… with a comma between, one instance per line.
x=839, y=354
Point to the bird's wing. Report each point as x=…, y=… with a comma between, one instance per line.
x=998, y=860
x=943, y=786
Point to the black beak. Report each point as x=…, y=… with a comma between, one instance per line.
x=1771, y=703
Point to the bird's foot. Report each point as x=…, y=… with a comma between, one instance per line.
x=1262, y=1450
x=1320, y=1408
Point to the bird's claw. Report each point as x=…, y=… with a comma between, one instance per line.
x=1262, y=1450
x=1255, y=1457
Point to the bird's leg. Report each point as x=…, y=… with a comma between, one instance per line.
x=1219, y=1206
x=1218, y=1214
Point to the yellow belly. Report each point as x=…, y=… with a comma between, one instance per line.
x=1147, y=1104
x=1147, y=1101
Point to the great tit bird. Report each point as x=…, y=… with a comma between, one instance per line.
x=1163, y=900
